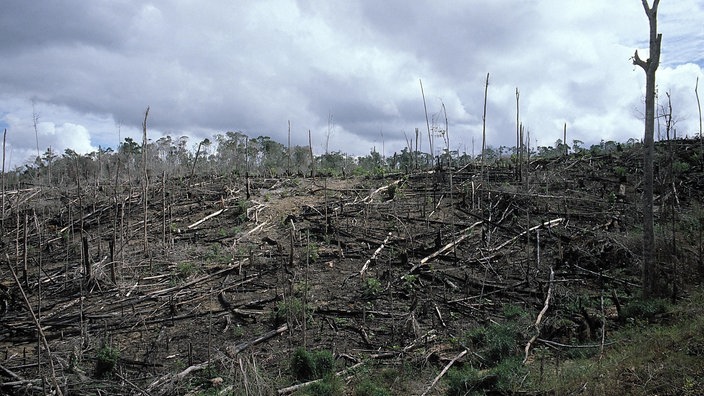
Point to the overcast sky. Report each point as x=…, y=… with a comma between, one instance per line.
x=347, y=69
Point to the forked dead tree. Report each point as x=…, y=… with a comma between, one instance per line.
x=650, y=66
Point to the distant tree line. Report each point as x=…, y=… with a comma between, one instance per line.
x=237, y=154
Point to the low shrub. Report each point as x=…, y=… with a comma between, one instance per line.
x=106, y=360
x=467, y=380
x=494, y=342
x=306, y=365
x=330, y=385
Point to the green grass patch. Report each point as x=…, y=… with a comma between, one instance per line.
x=647, y=358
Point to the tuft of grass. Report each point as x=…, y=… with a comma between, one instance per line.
x=648, y=310
x=514, y=312
x=467, y=380
x=509, y=374
x=369, y=388
x=494, y=342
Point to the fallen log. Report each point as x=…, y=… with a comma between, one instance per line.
x=547, y=224
x=294, y=388
x=210, y=216
x=540, y=317
x=444, y=370
x=373, y=257
x=234, y=350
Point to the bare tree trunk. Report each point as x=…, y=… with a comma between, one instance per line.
x=195, y=161
x=427, y=122
x=486, y=91
x=415, y=153
x=518, y=137
x=650, y=66
x=312, y=158
x=2, y=225
x=701, y=138
x=671, y=139
x=163, y=207
x=145, y=179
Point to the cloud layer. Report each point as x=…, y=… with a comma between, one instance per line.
x=347, y=69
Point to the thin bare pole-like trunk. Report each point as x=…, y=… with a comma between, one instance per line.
x=671, y=139
x=701, y=137
x=288, y=167
x=486, y=91
x=195, y=160
x=312, y=158
x=35, y=123
x=427, y=121
x=518, y=137
x=521, y=152
x=163, y=208
x=2, y=223
x=145, y=180
x=416, y=152
x=650, y=66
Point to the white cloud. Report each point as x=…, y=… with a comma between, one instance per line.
x=210, y=67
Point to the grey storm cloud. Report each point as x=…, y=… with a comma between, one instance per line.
x=350, y=70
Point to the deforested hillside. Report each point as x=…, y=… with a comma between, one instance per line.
x=516, y=279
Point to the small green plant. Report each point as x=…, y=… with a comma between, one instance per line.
x=372, y=287
x=237, y=331
x=680, y=167
x=185, y=269
x=612, y=197
x=214, y=254
x=290, y=309
x=324, y=363
x=312, y=252
x=106, y=360
x=409, y=281
x=620, y=171
x=391, y=192
x=302, y=365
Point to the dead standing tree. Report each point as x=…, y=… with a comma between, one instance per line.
x=145, y=180
x=486, y=91
x=650, y=66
